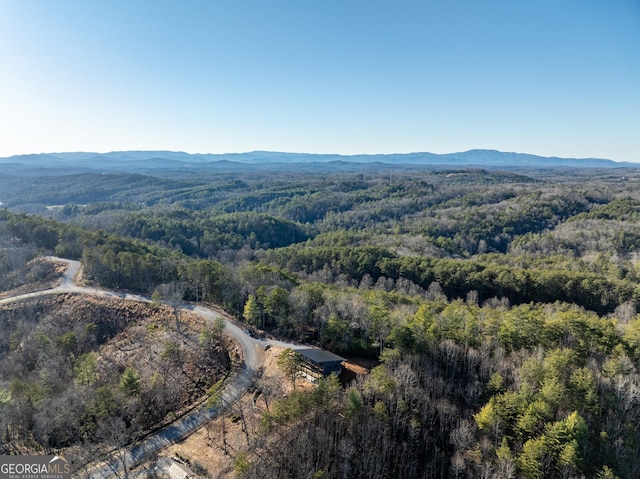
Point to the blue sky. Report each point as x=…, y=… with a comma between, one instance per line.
x=548, y=77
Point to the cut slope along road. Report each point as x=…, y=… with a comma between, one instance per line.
x=234, y=388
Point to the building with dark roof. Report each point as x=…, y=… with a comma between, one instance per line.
x=316, y=363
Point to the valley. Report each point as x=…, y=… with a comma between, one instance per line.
x=497, y=308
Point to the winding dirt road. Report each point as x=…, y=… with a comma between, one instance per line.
x=235, y=387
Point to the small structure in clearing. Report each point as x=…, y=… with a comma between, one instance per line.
x=317, y=363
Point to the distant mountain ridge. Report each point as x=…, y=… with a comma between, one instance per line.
x=176, y=159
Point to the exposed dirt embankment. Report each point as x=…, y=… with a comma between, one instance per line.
x=213, y=450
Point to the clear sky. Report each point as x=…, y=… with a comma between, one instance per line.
x=548, y=77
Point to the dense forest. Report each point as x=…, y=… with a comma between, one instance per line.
x=501, y=306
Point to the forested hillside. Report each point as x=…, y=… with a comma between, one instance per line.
x=501, y=307
x=83, y=375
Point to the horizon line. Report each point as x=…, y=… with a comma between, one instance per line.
x=99, y=153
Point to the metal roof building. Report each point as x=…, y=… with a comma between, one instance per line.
x=317, y=363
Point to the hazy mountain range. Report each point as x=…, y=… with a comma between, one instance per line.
x=171, y=160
